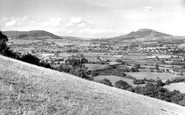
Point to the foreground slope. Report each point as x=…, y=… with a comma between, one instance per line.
x=28, y=89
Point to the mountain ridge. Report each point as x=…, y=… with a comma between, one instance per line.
x=143, y=34
x=33, y=34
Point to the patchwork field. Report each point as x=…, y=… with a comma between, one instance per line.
x=176, y=86
x=31, y=90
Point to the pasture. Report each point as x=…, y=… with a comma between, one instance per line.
x=152, y=75
x=96, y=66
x=176, y=86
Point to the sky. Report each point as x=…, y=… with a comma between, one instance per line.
x=93, y=18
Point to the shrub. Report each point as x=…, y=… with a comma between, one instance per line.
x=30, y=59
x=159, y=83
x=122, y=84
x=94, y=73
x=182, y=102
x=137, y=66
x=167, y=82
x=106, y=82
x=138, y=81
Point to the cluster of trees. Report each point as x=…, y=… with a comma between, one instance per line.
x=154, y=90
x=75, y=65
x=176, y=80
x=157, y=91
x=3, y=40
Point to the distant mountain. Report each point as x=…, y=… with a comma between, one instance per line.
x=142, y=35
x=36, y=34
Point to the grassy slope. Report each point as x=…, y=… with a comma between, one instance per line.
x=29, y=89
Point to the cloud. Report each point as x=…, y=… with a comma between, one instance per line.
x=11, y=23
x=148, y=8
x=78, y=22
x=52, y=22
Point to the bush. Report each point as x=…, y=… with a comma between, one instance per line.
x=94, y=73
x=138, y=81
x=137, y=66
x=159, y=83
x=167, y=82
x=122, y=84
x=30, y=59
x=182, y=102
x=106, y=82
x=178, y=79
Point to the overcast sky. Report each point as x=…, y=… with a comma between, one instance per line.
x=93, y=18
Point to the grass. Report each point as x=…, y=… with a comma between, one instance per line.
x=96, y=66
x=152, y=75
x=31, y=90
x=176, y=86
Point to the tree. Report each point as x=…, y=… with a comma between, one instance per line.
x=182, y=102
x=94, y=73
x=159, y=83
x=138, y=81
x=167, y=82
x=3, y=40
x=176, y=97
x=106, y=82
x=137, y=66
x=30, y=59
x=64, y=68
x=84, y=60
x=120, y=61
x=122, y=84
x=157, y=66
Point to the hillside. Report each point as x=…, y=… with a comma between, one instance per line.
x=143, y=35
x=29, y=89
x=32, y=35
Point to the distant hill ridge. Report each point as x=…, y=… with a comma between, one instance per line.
x=143, y=35
x=61, y=93
x=34, y=34
x=139, y=35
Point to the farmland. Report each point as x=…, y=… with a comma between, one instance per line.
x=96, y=66
x=176, y=86
x=152, y=75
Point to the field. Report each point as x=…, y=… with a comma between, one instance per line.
x=176, y=86
x=96, y=66
x=114, y=79
x=152, y=75
x=31, y=90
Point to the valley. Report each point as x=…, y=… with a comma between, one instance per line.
x=146, y=48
